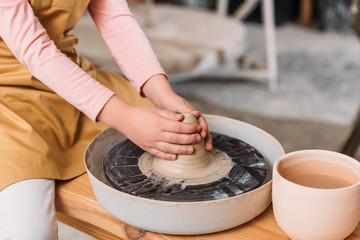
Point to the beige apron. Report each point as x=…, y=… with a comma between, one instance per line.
x=41, y=135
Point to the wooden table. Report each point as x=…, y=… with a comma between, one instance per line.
x=77, y=206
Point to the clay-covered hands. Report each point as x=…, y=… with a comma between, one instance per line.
x=158, y=130
x=159, y=91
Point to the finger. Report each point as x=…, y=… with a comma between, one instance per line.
x=183, y=139
x=204, y=127
x=167, y=150
x=196, y=113
x=170, y=115
x=205, y=133
x=174, y=148
x=208, y=142
x=163, y=155
x=180, y=127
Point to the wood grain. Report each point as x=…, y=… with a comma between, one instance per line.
x=77, y=207
x=86, y=227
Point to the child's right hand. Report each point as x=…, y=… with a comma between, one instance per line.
x=157, y=131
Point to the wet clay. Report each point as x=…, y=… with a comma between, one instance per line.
x=218, y=164
x=318, y=174
x=199, y=164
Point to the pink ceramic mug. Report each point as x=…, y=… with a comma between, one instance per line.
x=316, y=194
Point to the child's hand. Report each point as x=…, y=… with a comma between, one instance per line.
x=158, y=131
x=159, y=91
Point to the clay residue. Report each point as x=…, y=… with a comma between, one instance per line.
x=222, y=162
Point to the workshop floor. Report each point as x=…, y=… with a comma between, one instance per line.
x=317, y=98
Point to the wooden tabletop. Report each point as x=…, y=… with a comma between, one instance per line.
x=77, y=206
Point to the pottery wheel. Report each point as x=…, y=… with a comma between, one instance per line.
x=236, y=168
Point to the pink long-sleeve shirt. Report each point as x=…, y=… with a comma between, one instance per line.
x=28, y=41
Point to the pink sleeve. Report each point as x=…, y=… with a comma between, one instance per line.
x=27, y=39
x=125, y=40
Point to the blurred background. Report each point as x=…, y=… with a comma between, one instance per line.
x=289, y=67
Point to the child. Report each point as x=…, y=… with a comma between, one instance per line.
x=51, y=99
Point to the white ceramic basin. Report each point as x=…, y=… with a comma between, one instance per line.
x=185, y=218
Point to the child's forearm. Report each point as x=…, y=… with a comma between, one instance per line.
x=126, y=40
x=113, y=111
x=158, y=90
